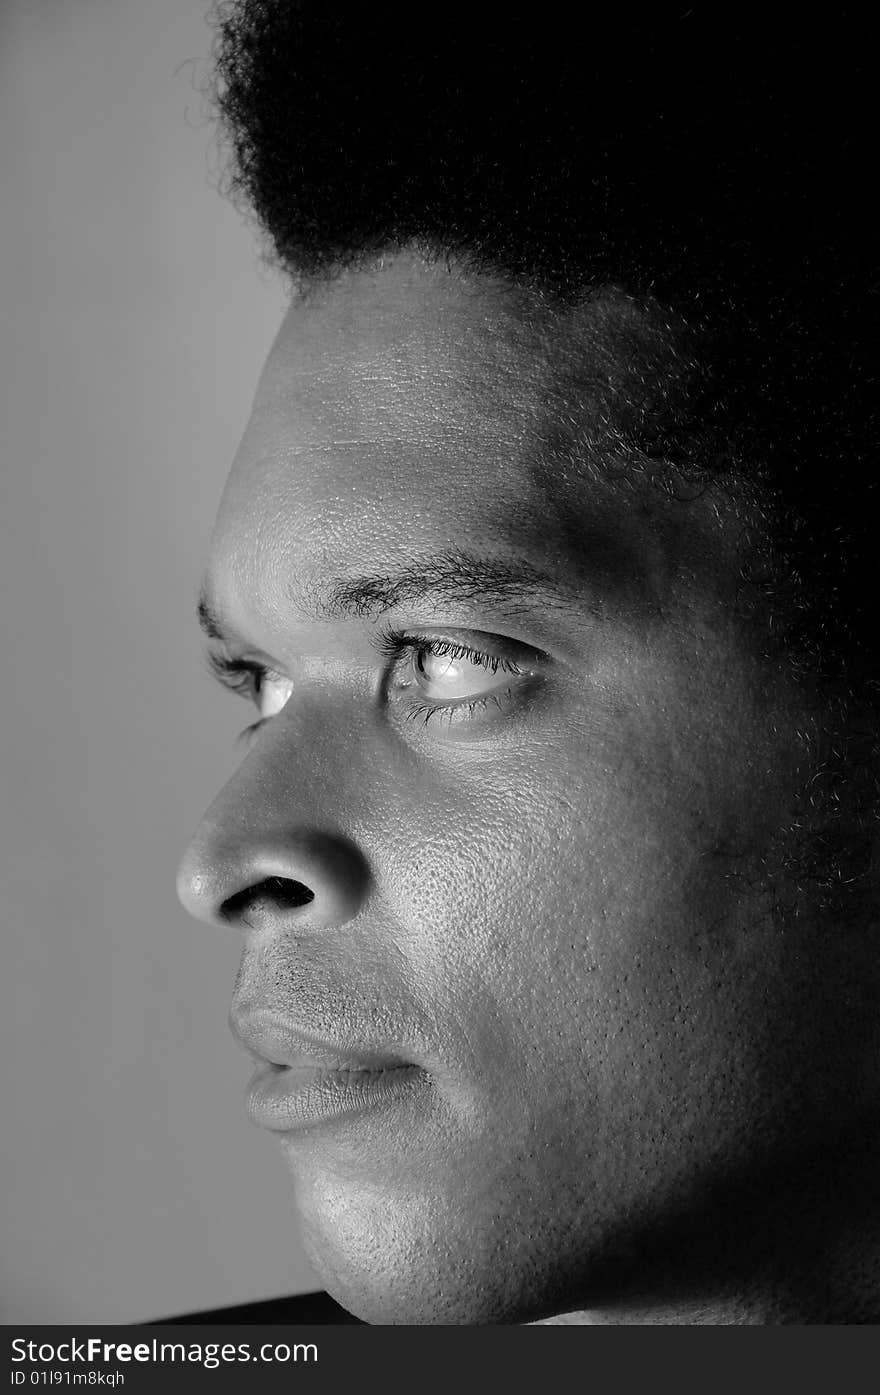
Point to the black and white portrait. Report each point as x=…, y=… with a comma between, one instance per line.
x=498, y=394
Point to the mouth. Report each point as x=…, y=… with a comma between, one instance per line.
x=300, y=1080
x=286, y=1098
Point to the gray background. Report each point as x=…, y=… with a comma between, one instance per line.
x=135, y=318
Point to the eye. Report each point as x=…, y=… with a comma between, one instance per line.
x=265, y=687
x=447, y=672
x=435, y=677
x=272, y=692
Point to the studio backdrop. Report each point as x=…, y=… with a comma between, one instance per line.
x=135, y=318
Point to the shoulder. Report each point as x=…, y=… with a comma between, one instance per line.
x=296, y=1309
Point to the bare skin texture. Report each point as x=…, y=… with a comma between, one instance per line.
x=648, y=1080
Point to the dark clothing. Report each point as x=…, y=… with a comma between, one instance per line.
x=297, y=1309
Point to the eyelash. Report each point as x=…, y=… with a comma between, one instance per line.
x=243, y=676
x=240, y=676
x=394, y=646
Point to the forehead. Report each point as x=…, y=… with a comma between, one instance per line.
x=411, y=407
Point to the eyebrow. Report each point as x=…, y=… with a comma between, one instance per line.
x=448, y=577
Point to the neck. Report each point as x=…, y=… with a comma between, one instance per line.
x=799, y=1245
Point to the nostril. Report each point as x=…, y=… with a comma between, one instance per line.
x=288, y=892
x=282, y=893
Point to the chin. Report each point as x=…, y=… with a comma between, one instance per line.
x=399, y=1265
x=416, y=1287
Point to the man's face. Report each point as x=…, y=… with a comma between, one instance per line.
x=518, y=816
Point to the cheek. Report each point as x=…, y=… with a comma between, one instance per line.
x=597, y=901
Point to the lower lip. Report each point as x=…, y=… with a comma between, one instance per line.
x=285, y=1098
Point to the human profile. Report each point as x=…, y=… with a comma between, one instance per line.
x=548, y=562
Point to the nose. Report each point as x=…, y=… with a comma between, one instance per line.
x=255, y=861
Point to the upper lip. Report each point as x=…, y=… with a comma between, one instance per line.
x=275, y=1041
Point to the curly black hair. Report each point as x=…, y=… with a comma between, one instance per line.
x=717, y=163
